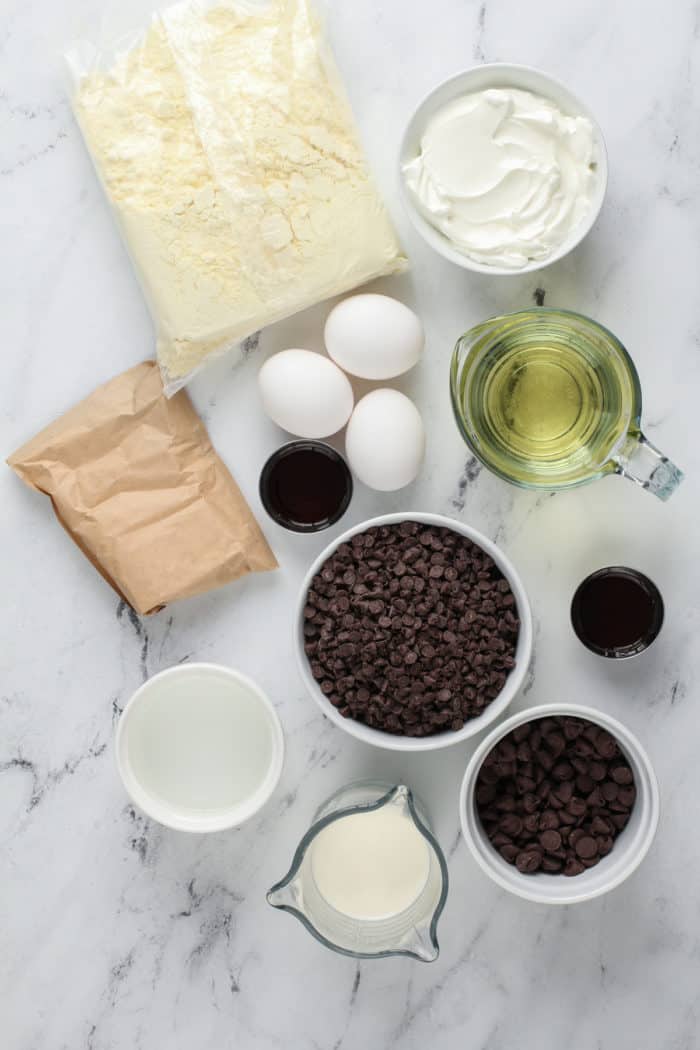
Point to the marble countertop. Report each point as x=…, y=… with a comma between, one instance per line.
x=120, y=935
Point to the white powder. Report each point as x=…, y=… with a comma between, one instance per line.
x=231, y=159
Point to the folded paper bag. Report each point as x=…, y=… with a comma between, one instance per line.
x=135, y=481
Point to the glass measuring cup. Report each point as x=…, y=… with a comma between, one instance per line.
x=550, y=399
x=412, y=930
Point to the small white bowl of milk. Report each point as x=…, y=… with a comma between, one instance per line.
x=199, y=748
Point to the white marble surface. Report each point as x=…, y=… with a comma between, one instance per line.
x=119, y=935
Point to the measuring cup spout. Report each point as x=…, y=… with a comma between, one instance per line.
x=423, y=944
x=284, y=895
x=643, y=463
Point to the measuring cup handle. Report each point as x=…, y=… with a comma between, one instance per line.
x=643, y=463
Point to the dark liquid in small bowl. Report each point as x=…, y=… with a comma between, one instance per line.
x=617, y=612
x=306, y=486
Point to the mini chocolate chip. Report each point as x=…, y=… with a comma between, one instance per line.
x=562, y=771
x=572, y=728
x=600, y=826
x=556, y=743
x=566, y=818
x=530, y=803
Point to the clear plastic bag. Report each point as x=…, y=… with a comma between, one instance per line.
x=229, y=154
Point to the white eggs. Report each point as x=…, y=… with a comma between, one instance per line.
x=374, y=336
x=305, y=393
x=385, y=440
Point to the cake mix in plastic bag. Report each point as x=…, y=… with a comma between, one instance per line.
x=229, y=154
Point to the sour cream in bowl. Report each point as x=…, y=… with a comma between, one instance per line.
x=502, y=169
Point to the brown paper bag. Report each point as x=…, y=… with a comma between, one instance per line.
x=135, y=480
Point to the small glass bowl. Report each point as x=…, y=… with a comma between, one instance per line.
x=656, y=619
x=267, y=486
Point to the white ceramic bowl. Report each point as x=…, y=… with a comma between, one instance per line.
x=199, y=748
x=523, y=652
x=479, y=78
x=630, y=847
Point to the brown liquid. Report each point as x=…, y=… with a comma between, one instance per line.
x=617, y=612
x=306, y=486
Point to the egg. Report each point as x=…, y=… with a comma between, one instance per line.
x=385, y=440
x=305, y=393
x=374, y=336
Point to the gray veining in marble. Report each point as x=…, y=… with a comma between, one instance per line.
x=119, y=935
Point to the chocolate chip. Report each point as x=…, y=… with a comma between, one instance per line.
x=528, y=861
x=426, y=605
x=576, y=806
x=556, y=742
x=509, y=852
x=550, y=840
x=511, y=825
x=573, y=866
x=530, y=803
x=579, y=804
x=586, y=847
x=572, y=728
x=605, y=744
x=626, y=796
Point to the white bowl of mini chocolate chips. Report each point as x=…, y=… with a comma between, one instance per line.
x=413, y=632
x=559, y=804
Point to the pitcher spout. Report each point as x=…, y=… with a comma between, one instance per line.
x=284, y=895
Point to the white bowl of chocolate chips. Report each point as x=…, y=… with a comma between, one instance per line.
x=559, y=804
x=413, y=632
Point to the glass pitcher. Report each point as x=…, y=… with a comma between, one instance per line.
x=411, y=930
x=550, y=399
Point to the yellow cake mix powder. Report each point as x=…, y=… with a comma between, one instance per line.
x=230, y=156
